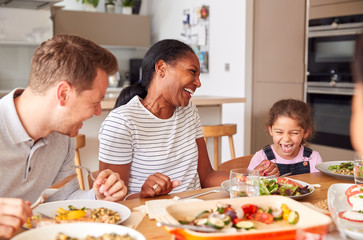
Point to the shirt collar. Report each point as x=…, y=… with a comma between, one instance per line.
x=15, y=129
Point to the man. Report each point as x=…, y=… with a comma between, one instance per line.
x=68, y=79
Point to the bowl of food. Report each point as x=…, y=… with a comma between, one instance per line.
x=281, y=186
x=78, y=211
x=270, y=217
x=80, y=231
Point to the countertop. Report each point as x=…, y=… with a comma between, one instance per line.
x=109, y=103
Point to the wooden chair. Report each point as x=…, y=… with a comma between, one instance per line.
x=217, y=131
x=240, y=162
x=81, y=142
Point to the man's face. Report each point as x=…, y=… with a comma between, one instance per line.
x=84, y=105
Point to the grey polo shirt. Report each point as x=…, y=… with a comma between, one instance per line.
x=28, y=167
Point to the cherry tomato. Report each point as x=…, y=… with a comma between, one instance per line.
x=349, y=219
x=354, y=188
x=288, y=181
x=263, y=217
x=249, y=209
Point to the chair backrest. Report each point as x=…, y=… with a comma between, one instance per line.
x=240, y=162
x=80, y=143
x=217, y=131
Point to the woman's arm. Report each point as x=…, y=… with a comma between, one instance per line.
x=208, y=177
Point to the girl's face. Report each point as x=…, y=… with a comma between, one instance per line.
x=287, y=136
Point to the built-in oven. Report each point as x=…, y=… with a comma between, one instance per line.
x=329, y=85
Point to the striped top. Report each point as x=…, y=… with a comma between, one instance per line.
x=131, y=134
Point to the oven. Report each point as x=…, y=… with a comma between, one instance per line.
x=329, y=82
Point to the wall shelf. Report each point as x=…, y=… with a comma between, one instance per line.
x=107, y=29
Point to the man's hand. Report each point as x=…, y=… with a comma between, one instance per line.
x=14, y=212
x=108, y=186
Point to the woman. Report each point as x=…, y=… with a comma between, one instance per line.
x=154, y=139
x=356, y=124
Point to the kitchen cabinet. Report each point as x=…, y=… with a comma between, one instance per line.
x=108, y=29
x=334, y=8
x=278, y=60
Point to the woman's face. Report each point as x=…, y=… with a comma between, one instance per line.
x=356, y=122
x=182, y=79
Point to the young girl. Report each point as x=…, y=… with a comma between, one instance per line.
x=290, y=124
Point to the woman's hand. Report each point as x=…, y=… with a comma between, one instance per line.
x=158, y=184
x=108, y=186
x=267, y=168
x=14, y=212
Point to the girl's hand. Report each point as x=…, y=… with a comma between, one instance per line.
x=157, y=184
x=267, y=168
x=108, y=186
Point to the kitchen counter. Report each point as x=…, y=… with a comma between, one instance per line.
x=109, y=103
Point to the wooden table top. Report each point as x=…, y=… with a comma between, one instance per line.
x=148, y=228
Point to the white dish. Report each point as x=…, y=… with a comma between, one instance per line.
x=337, y=202
x=51, y=207
x=78, y=230
x=225, y=186
x=324, y=168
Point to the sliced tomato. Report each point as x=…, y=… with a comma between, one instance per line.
x=283, y=180
x=350, y=219
x=237, y=220
x=354, y=194
x=262, y=217
x=354, y=188
x=249, y=209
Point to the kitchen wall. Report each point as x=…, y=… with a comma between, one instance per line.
x=227, y=46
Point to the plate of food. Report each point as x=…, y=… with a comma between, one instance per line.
x=270, y=217
x=345, y=203
x=281, y=186
x=337, y=169
x=78, y=211
x=80, y=231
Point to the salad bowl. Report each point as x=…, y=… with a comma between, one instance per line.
x=225, y=186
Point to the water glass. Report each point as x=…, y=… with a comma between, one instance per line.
x=306, y=234
x=358, y=168
x=244, y=183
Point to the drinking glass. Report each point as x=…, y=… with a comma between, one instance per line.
x=306, y=234
x=358, y=168
x=244, y=183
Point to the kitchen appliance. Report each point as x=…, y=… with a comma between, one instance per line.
x=329, y=85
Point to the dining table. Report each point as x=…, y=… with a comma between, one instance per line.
x=151, y=231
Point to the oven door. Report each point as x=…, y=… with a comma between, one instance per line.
x=331, y=110
x=329, y=56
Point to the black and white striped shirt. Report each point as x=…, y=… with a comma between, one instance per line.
x=131, y=134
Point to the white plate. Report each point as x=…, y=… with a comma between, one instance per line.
x=324, y=168
x=51, y=207
x=225, y=186
x=78, y=230
x=337, y=202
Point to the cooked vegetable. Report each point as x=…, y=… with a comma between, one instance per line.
x=245, y=225
x=293, y=217
x=344, y=168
